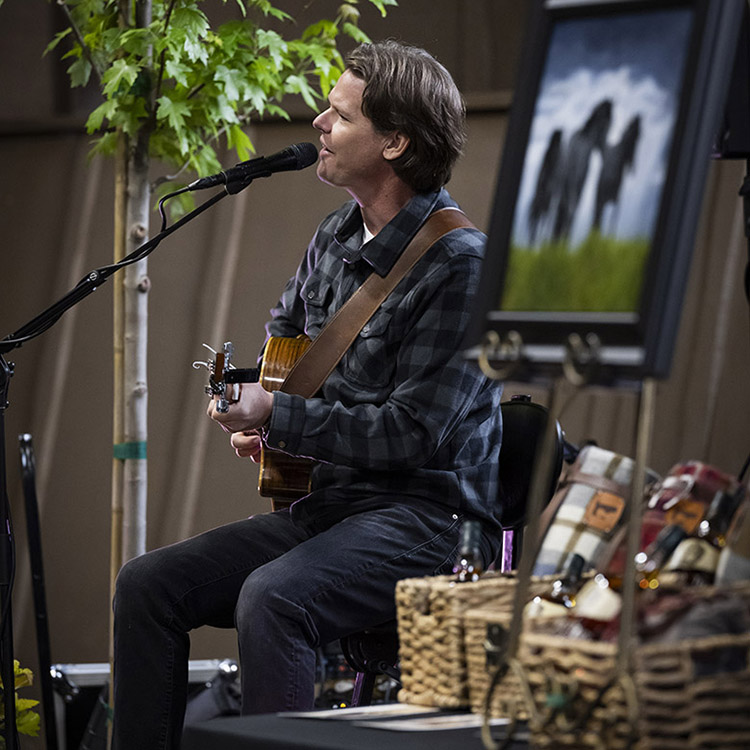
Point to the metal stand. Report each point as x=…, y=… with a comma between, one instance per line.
x=7, y=671
x=34, y=536
x=29, y=331
x=579, y=368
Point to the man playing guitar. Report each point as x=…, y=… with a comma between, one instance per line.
x=404, y=432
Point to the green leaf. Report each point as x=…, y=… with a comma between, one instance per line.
x=355, y=32
x=270, y=10
x=323, y=28
x=381, y=5
x=79, y=72
x=177, y=70
x=136, y=42
x=349, y=13
x=275, y=109
x=299, y=85
x=58, y=38
x=105, y=145
x=28, y=722
x=274, y=45
x=130, y=114
x=105, y=111
x=120, y=76
x=238, y=139
x=190, y=20
x=175, y=113
x=232, y=80
x=195, y=50
x=225, y=109
x=22, y=676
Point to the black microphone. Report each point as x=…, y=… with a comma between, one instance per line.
x=297, y=156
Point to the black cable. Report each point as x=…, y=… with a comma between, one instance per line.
x=744, y=469
x=11, y=571
x=6, y=604
x=162, y=213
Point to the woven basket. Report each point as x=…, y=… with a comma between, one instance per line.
x=669, y=702
x=682, y=707
x=432, y=652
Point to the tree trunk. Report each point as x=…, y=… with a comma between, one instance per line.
x=132, y=201
x=118, y=335
x=129, y=470
x=135, y=390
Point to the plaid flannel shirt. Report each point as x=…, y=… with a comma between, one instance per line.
x=403, y=417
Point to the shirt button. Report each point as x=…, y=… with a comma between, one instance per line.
x=310, y=295
x=282, y=443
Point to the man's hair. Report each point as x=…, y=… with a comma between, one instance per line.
x=407, y=90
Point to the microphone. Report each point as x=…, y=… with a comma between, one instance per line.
x=297, y=156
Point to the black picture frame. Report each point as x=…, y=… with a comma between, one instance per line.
x=591, y=74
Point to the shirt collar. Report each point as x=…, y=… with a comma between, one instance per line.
x=388, y=244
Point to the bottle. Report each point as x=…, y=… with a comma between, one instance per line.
x=696, y=558
x=468, y=565
x=561, y=597
x=599, y=601
x=564, y=589
x=650, y=562
x=597, y=611
x=734, y=558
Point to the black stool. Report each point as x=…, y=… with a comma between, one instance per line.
x=374, y=651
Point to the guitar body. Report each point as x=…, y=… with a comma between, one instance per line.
x=282, y=477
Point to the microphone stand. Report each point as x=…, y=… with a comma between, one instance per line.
x=35, y=327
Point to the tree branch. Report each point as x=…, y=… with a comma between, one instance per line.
x=162, y=57
x=79, y=38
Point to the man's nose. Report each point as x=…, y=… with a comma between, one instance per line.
x=321, y=121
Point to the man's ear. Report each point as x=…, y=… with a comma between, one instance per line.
x=395, y=146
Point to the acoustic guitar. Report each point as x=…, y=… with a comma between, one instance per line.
x=282, y=477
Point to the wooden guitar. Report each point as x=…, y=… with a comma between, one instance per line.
x=282, y=477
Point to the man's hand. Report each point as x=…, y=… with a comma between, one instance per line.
x=247, y=444
x=250, y=412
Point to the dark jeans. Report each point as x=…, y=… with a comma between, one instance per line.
x=287, y=588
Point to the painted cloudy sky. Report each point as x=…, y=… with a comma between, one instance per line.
x=635, y=59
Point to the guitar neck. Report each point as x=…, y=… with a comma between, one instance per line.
x=242, y=375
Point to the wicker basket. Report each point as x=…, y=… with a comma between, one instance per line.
x=682, y=707
x=683, y=695
x=432, y=652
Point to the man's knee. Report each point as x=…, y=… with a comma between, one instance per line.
x=266, y=599
x=138, y=581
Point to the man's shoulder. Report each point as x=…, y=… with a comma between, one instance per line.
x=463, y=240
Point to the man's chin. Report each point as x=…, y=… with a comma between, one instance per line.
x=323, y=177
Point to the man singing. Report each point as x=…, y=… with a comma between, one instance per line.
x=405, y=432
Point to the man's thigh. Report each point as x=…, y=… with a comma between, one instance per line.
x=345, y=576
x=199, y=579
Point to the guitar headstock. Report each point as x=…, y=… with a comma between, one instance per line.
x=217, y=372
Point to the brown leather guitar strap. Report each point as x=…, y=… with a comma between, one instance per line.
x=316, y=364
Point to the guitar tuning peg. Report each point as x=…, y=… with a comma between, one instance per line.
x=228, y=354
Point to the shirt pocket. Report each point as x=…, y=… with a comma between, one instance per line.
x=370, y=360
x=316, y=298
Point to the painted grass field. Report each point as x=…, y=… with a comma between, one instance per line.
x=602, y=274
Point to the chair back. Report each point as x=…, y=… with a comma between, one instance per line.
x=524, y=423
